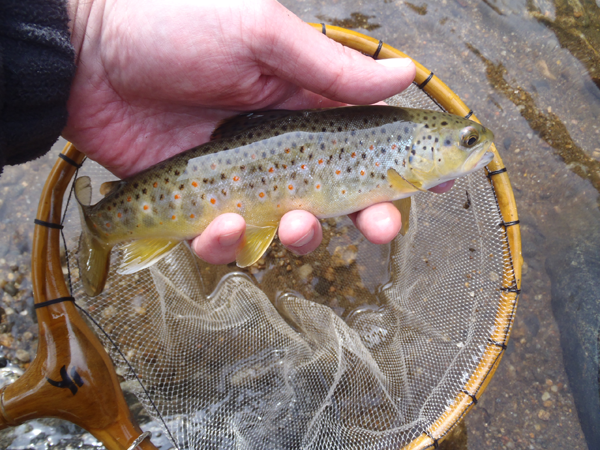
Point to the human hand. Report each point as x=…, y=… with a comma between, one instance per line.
x=154, y=78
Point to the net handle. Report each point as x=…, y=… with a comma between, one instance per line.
x=72, y=376
x=513, y=260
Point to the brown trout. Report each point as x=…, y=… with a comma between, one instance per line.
x=261, y=165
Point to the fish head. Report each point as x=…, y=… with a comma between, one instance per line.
x=450, y=149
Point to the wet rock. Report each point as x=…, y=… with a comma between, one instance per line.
x=23, y=355
x=576, y=308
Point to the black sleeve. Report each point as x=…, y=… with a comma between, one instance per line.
x=37, y=65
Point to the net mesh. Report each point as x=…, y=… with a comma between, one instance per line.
x=353, y=346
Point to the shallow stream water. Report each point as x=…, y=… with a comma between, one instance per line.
x=530, y=70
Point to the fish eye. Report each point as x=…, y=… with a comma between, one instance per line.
x=469, y=136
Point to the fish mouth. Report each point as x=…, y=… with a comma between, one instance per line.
x=478, y=160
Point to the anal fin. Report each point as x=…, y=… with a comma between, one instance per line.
x=403, y=206
x=142, y=253
x=256, y=241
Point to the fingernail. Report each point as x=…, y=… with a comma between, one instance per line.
x=304, y=239
x=395, y=62
x=229, y=239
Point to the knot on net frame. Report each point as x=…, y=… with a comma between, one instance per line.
x=353, y=346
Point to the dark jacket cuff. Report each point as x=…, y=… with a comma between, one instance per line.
x=37, y=65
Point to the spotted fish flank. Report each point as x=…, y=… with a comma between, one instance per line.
x=262, y=165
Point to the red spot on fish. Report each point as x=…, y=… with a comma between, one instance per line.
x=194, y=184
x=284, y=166
x=213, y=166
x=291, y=187
x=337, y=172
x=192, y=216
x=270, y=170
x=377, y=164
x=119, y=215
x=155, y=184
x=236, y=178
x=146, y=207
x=303, y=166
x=239, y=205
x=394, y=147
x=177, y=197
x=128, y=199
x=362, y=172
x=320, y=161
x=253, y=156
x=353, y=155
x=343, y=191
x=318, y=186
x=287, y=150
x=108, y=225
x=371, y=147
x=173, y=217
x=261, y=195
x=213, y=201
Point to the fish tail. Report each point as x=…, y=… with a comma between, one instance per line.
x=94, y=254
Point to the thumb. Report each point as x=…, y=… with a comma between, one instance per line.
x=302, y=55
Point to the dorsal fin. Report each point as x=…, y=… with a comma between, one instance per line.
x=235, y=125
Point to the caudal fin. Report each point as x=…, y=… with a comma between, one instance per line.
x=94, y=255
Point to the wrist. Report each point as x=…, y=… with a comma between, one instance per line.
x=79, y=14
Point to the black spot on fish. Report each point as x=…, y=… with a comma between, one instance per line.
x=177, y=172
x=310, y=156
x=293, y=175
x=436, y=140
x=372, y=174
x=137, y=196
x=263, y=180
x=275, y=187
x=406, y=130
x=349, y=170
x=383, y=151
x=166, y=180
x=223, y=191
x=339, y=129
x=222, y=178
x=383, y=177
x=135, y=185
x=302, y=149
x=305, y=181
x=413, y=152
x=203, y=196
x=162, y=196
x=251, y=185
x=144, y=191
x=109, y=208
x=444, y=123
x=364, y=156
x=205, y=180
x=322, y=146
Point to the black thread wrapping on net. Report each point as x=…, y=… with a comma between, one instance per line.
x=473, y=398
x=427, y=80
x=497, y=172
x=379, y=47
x=53, y=302
x=54, y=226
x=69, y=160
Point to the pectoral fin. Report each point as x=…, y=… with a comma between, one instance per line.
x=256, y=241
x=143, y=253
x=403, y=206
x=403, y=185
